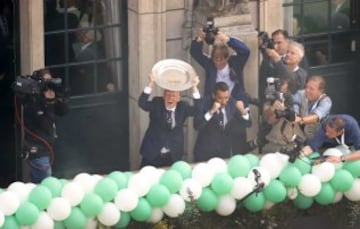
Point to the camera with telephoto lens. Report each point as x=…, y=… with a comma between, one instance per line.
x=33, y=86
x=287, y=113
x=294, y=148
x=210, y=31
x=266, y=41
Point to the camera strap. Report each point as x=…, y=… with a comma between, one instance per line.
x=282, y=131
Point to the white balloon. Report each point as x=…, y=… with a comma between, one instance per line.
x=96, y=178
x=292, y=193
x=73, y=192
x=156, y=215
x=334, y=152
x=226, y=205
x=273, y=163
x=20, y=190
x=59, y=208
x=86, y=181
x=338, y=197
x=126, y=200
x=30, y=186
x=175, y=206
x=151, y=173
x=43, y=222
x=242, y=186
x=139, y=184
x=309, y=185
x=9, y=202
x=2, y=219
x=203, y=174
x=354, y=193
x=264, y=176
x=109, y=215
x=91, y=223
x=190, y=187
x=324, y=171
x=218, y=165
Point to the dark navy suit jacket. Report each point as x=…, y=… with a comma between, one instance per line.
x=214, y=140
x=158, y=135
x=236, y=64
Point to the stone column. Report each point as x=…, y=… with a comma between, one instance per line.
x=31, y=36
x=147, y=45
x=271, y=15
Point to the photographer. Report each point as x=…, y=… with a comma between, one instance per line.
x=311, y=105
x=281, y=58
x=223, y=67
x=335, y=130
x=278, y=127
x=39, y=124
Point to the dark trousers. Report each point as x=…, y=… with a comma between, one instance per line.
x=162, y=160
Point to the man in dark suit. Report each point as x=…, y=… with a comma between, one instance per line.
x=163, y=142
x=216, y=124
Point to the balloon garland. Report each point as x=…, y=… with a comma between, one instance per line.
x=152, y=193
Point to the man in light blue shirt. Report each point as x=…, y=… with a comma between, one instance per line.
x=311, y=105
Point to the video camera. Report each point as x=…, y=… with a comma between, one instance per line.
x=293, y=150
x=26, y=86
x=266, y=41
x=210, y=30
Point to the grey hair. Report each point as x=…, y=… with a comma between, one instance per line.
x=299, y=46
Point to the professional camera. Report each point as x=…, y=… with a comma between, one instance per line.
x=210, y=30
x=293, y=150
x=33, y=85
x=266, y=41
x=272, y=89
x=288, y=114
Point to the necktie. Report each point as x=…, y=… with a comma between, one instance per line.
x=221, y=118
x=169, y=121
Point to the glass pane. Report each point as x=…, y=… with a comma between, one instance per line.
x=340, y=14
x=80, y=37
x=317, y=51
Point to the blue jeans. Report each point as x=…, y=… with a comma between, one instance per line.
x=40, y=168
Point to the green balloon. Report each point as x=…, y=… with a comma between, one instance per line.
x=342, y=181
x=314, y=155
x=106, y=188
x=290, y=176
x=326, y=194
x=91, y=205
x=183, y=168
x=255, y=202
x=222, y=183
x=59, y=225
x=208, y=200
x=54, y=185
x=27, y=213
x=10, y=223
x=303, y=202
x=76, y=219
x=303, y=164
x=172, y=180
x=275, y=192
x=120, y=178
x=238, y=166
x=124, y=220
x=40, y=196
x=158, y=195
x=353, y=167
x=253, y=159
x=142, y=211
